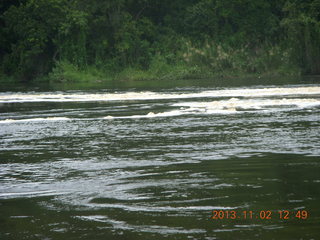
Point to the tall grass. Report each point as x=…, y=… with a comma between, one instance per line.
x=218, y=59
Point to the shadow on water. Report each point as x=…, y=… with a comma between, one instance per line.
x=159, y=84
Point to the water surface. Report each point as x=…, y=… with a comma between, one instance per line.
x=154, y=164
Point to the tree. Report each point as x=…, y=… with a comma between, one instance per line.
x=42, y=31
x=302, y=23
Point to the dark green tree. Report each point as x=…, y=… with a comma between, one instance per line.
x=302, y=23
x=43, y=31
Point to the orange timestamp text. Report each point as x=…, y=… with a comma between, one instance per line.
x=262, y=214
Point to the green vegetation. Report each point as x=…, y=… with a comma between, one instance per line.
x=94, y=41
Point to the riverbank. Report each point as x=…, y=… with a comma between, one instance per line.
x=9, y=84
x=159, y=74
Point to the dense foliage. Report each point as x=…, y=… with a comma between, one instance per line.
x=161, y=38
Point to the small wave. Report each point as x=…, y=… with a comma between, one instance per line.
x=136, y=208
x=117, y=224
x=27, y=194
x=35, y=119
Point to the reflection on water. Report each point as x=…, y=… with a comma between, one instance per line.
x=152, y=164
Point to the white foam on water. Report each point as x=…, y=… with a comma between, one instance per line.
x=230, y=106
x=235, y=104
x=35, y=119
x=84, y=97
x=150, y=115
x=241, y=100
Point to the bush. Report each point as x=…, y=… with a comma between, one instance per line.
x=65, y=71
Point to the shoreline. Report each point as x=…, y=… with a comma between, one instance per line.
x=124, y=84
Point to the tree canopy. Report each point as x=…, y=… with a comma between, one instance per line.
x=36, y=35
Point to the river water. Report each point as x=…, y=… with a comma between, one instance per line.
x=174, y=163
